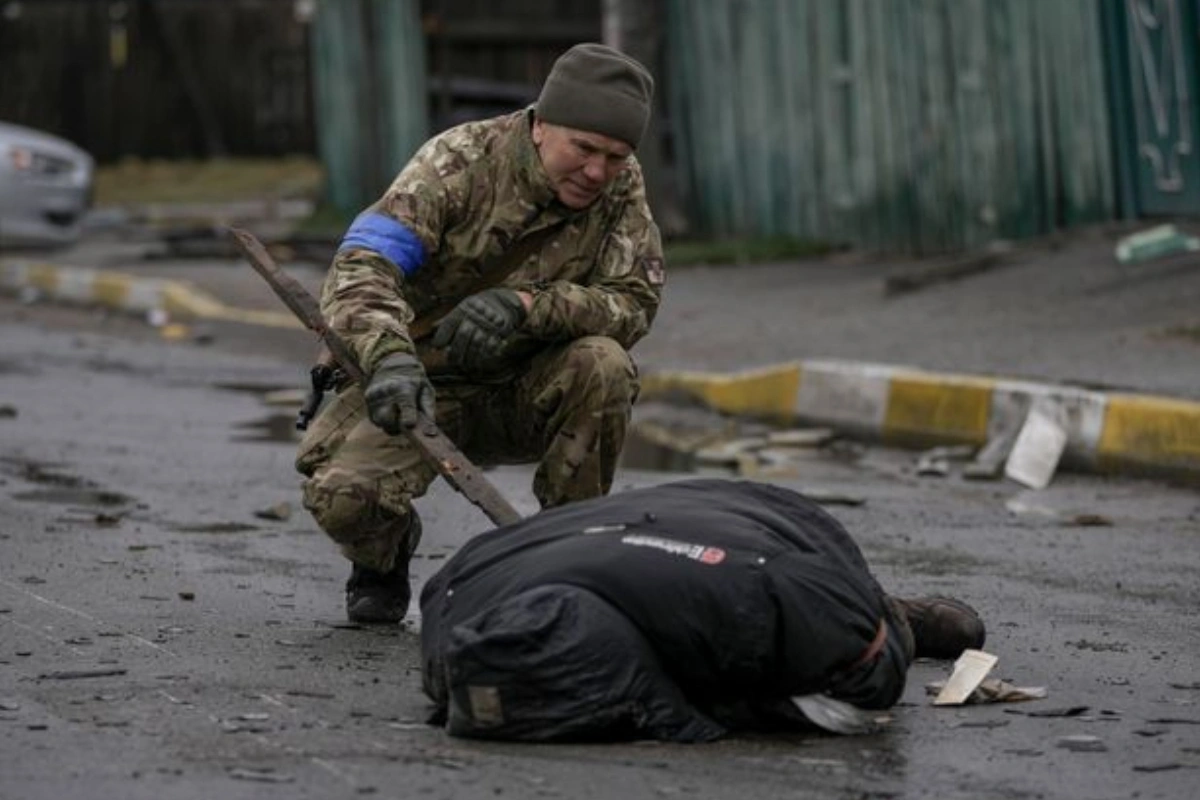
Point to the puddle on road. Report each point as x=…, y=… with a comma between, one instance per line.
x=60, y=487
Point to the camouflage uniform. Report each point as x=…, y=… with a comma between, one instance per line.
x=563, y=397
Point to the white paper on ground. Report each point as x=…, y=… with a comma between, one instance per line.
x=969, y=671
x=1036, y=452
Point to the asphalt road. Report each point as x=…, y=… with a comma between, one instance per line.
x=159, y=638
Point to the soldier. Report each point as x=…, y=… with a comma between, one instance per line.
x=498, y=286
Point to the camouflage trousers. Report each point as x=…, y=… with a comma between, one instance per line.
x=568, y=407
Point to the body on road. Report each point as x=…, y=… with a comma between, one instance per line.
x=681, y=611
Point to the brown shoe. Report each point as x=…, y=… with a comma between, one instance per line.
x=941, y=626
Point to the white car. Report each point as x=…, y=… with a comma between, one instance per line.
x=45, y=187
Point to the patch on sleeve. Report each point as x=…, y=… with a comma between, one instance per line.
x=655, y=272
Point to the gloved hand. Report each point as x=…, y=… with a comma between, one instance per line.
x=476, y=331
x=397, y=390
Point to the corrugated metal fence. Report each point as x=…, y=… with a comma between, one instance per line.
x=369, y=84
x=915, y=124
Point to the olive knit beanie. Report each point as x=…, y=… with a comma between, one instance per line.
x=597, y=89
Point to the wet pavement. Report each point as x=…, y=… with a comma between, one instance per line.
x=171, y=622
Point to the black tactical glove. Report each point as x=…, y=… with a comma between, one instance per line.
x=397, y=390
x=476, y=331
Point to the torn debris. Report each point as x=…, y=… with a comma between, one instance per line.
x=994, y=690
x=969, y=671
x=1156, y=242
x=1037, y=450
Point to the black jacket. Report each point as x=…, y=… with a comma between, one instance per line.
x=676, y=611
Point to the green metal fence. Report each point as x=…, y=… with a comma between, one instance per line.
x=922, y=125
x=370, y=87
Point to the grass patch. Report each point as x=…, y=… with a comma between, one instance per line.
x=138, y=182
x=744, y=251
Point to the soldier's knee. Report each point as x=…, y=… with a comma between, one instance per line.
x=603, y=367
x=348, y=508
x=338, y=506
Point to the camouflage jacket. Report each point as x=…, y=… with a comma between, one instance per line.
x=466, y=197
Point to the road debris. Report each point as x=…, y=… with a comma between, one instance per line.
x=77, y=674
x=801, y=437
x=8, y=412
x=969, y=671
x=1156, y=242
x=1163, y=766
x=263, y=775
x=1088, y=519
x=1083, y=743
x=1069, y=711
x=1037, y=450
x=936, y=462
x=683, y=438
x=994, y=690
x=989, y=461
x=280, y=512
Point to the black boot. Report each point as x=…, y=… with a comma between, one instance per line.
x=382, y=597
x=941, y=626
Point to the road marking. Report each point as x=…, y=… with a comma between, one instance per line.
x=84, y=615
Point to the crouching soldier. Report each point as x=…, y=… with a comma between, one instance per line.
x=680, y=612
x=497, y=286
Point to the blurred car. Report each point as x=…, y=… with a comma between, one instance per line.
x=45, y=187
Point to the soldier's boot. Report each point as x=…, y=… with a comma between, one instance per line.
x=376, y=598
x=942, y=627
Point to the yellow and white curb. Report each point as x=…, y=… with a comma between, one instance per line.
x=1106, y=431
x=125, y=293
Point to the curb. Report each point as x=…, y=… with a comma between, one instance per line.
x=905, y=406
x=1106, y=431
x=129, y=294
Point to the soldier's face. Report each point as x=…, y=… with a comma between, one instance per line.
x=580, y=164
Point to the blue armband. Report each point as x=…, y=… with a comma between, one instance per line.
x=390, y=238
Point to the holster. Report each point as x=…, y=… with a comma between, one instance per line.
x=325, y=376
